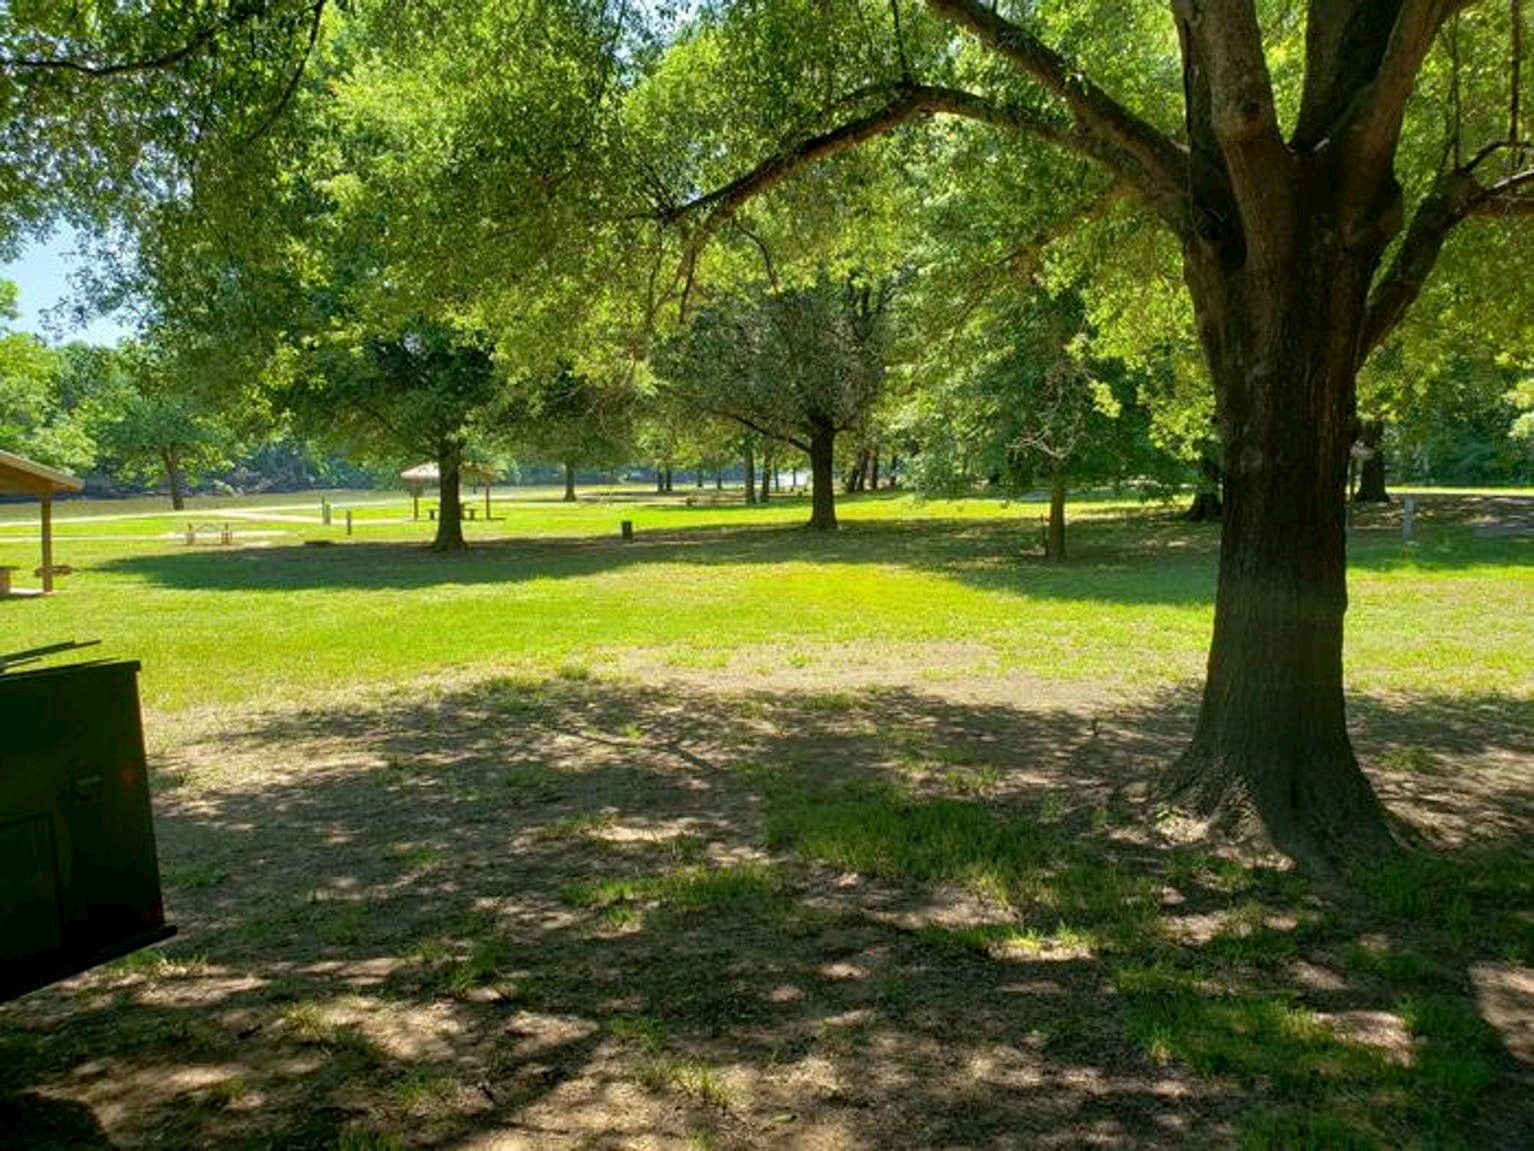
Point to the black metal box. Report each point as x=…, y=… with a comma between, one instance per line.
x=79, y=879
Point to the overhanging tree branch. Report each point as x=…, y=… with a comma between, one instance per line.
x=1454, y=198
x=290, y=87
x=85, y=67
x=905, y=103
x=1370, y=127
x=1155, y=163
x=197, y=40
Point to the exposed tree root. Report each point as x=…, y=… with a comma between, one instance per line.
x=1326, y=819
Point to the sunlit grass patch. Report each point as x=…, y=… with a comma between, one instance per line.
x=421, y=1089
x=689, y=1077
x=740, y=888
x=578, y=825
x=1252, y=1038
x=704, y=585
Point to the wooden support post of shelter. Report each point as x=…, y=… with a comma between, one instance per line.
x=21, y=476
x=423, y=477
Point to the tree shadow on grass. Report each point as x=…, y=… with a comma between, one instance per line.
x=1143, y=561
x=1147, y=558
x=587, y=913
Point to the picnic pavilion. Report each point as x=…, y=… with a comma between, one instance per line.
x=21, y=476
x=424, y=476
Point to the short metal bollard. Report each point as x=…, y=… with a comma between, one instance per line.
x=627, y=528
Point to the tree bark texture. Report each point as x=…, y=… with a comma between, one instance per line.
x=449, y=537
x=1271, y=739
x=823, y=477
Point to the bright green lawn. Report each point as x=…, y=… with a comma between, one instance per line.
x=549, y=585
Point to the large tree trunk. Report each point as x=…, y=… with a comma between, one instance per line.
x=449, y=536
x=174, y=479
x=750, y=469
x=1271, y=740
x=1371, y=471
x=823, y=477
x=569, y=482
x=769, y=467
x=1054, y=539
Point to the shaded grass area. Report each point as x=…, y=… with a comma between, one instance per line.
x=579, y=911
x=719, y=584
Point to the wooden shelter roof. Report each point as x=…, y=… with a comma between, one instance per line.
x=19, y=475
x=427, y=473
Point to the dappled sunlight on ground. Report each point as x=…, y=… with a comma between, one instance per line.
x=529, y=911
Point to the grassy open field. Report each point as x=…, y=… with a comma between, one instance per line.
x=736, y=836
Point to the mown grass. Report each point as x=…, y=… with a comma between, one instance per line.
x=707, y=586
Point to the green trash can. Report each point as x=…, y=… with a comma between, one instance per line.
x=79, y=878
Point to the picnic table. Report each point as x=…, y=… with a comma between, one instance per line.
x=466, y=511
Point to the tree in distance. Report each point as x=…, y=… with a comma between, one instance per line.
x=798, y=365
x=1026, y=401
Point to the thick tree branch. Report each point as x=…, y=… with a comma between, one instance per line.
x=1230, y=84
x=1344, y=43
x=1145, y=155
x=85, y=67
x=1455, y=197
x=907, y=102
x=197, y=40
x=1512, y=196
x=1370, y=127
